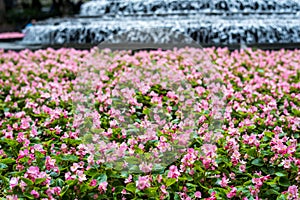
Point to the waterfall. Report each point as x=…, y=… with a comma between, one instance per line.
x=212, y=22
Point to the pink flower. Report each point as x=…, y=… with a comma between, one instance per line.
x=159, y=178
x=74, y=167
x=242, y=167
x=102, y=187
x=123, y=192
x=95, y=196
x=257, y=181
x=146, y=168
x=93, y=183
x=286, y=163
x=143, y=182
x=293, y=192
x=128, y=180
x=224, y=182
x=35, y=194
x=21, y=138
x=23, y=185
x=56, y=190
x=173, y=172
x=198, y=194
x=232, y=193
x=11, y=197
x=81, y=176
x=50, y=163
x=8, y=135
x=68, y=176
x=64, y=147
x=13, y=182
x=163, y=189
x=32, y=172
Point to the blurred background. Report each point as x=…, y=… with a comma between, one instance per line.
x=16, y=14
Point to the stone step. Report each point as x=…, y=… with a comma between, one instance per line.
x=213, y=30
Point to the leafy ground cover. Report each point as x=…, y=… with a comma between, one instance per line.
x=254, y=155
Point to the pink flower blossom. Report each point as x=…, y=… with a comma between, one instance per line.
x=163, y=189
x=146, y=168
x=198, y=194
x=81, y=176
x=12, y=197
x=93, y=183
x=14, y=181
x=224, y=182
x=143, y=182
x=128, y=180
x=293, y=192
x=173, y=172
x=35, y=194
x=232, y=193
x=102, y=187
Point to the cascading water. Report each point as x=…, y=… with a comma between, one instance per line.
x=214, y=22
x=152, y=7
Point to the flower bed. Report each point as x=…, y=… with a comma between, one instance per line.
x=254, y=155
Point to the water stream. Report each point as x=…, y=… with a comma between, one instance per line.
x=212, y=22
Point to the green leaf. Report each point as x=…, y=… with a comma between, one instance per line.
x=146, y=111
x=3, y=166
x=185, y=178
x=280, y=174
x=54, y=174
x=247, y=183
x=131, y=187
x=16, y=173
x=59, y=182
x=152, y=191
x=101, y=178
x=170, y=181
x=252, y=151
x=7, y=161
x=260, y=70
x=296, y=112
x=91, y=172
x=71, y=182
x=132, y=160
x=284, y=181
x=158, y=169
x=39, y=180
x=27, y=181
x=191, y=186
x=24, y=160
x=281, y=197
x=72, y=158
x=257, y=162
x=28, y=195
x=118, y=189
x=84, y=187
x=176, y=196
x=39, y=154
x=64, y=190
x=269, y=134
x=4, y=179
x=271, y=191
